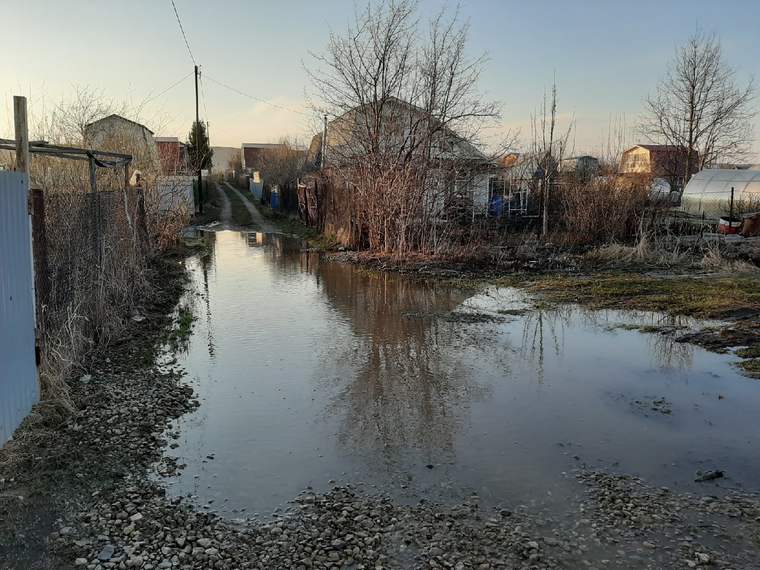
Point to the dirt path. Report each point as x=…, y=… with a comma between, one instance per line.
x=226, y=214
x=256, y=216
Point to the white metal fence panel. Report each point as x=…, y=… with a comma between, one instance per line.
x=18, y=371
x=175, y=193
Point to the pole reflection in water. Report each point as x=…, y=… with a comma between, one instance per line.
x=311, y=371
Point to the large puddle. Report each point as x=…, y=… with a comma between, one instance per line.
x=314, y=373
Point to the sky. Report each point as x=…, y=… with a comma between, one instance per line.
x=606, y=55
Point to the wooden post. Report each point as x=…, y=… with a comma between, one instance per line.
x=39, y=255
x=40, y=252
x=95, y=208
x=22, y=134
x=142, y=226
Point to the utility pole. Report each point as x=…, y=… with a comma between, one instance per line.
x=324, y=145
x=22, y=134
x=197, y=146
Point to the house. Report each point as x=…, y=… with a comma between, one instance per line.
x=583, y=167
x=119, y=134
x=255, y=154
x=226, y=158
x=468, y=169
x=658, y=161
x=172, y=155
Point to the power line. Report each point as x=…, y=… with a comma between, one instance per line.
x=172, y=86
x=255, y=98
x=205, y=111
x=203, y=94
x=181, y=29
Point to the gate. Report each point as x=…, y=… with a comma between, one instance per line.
x=19, y=389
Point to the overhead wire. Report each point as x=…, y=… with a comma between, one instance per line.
x=255, y=98
x=182, y=29
x=203, y=101
x=172, y=86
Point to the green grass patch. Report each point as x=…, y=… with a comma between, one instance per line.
x=178, y=336
x=749, y=352
x=239, y=212
x=705, y=297
x=750, y=367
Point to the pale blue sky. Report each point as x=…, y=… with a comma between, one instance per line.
x=607, y=55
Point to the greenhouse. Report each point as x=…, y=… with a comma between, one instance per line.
x=709, y=192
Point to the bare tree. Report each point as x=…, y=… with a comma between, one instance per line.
x=548, y=148
x=282, y=164
x=699, y=106
x=407, y=117
x=68, y=119
x=235, y=163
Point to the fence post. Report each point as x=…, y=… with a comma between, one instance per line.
x=95, y=211
x=142, y=226
x=40, y=252
x=22, y=134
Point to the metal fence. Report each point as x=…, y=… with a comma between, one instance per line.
x=19, y=389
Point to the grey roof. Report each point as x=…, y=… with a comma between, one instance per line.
x=115, y=116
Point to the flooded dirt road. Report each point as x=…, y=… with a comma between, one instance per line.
x=314, y=373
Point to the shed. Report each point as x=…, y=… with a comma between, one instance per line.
x=709, y=192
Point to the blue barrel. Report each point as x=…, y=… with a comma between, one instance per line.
x=274, y=201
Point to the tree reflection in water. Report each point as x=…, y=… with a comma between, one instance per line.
x=408, y=387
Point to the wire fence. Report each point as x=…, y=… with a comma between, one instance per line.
x=94, y=236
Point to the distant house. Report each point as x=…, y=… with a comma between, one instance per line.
x=254, y=154
x=658, y=161
x=119, y=134
x=226, y=158
x=580, y=166
x=172, y=155
x=471, y=170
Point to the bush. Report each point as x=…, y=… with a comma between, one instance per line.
x=600, y=211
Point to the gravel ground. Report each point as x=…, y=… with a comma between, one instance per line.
x=84, y=492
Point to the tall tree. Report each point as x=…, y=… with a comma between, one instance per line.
x=198, y=147
x=700, y=106
x=408, y=116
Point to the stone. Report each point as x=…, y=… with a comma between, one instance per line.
x=106, y=553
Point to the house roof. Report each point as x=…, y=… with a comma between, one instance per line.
x=166, y=139
x=115, y=116
x=262, y=145
x=659, y=147
x=580, y=157
x=474, y=152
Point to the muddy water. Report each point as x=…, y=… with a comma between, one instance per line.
x=312, y=373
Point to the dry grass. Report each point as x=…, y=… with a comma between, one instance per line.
x=645, y=251
x=711, y=296
x=604, y=210
x=714, y=260
x=98, y=250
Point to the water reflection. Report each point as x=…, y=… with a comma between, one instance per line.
x=311, y=371
x=409, y=389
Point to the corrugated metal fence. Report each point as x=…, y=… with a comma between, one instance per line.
x=18, y=372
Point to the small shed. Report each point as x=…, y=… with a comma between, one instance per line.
x=709, y=192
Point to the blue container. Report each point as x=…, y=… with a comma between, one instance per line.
x=257, y=189
x=274, y=201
